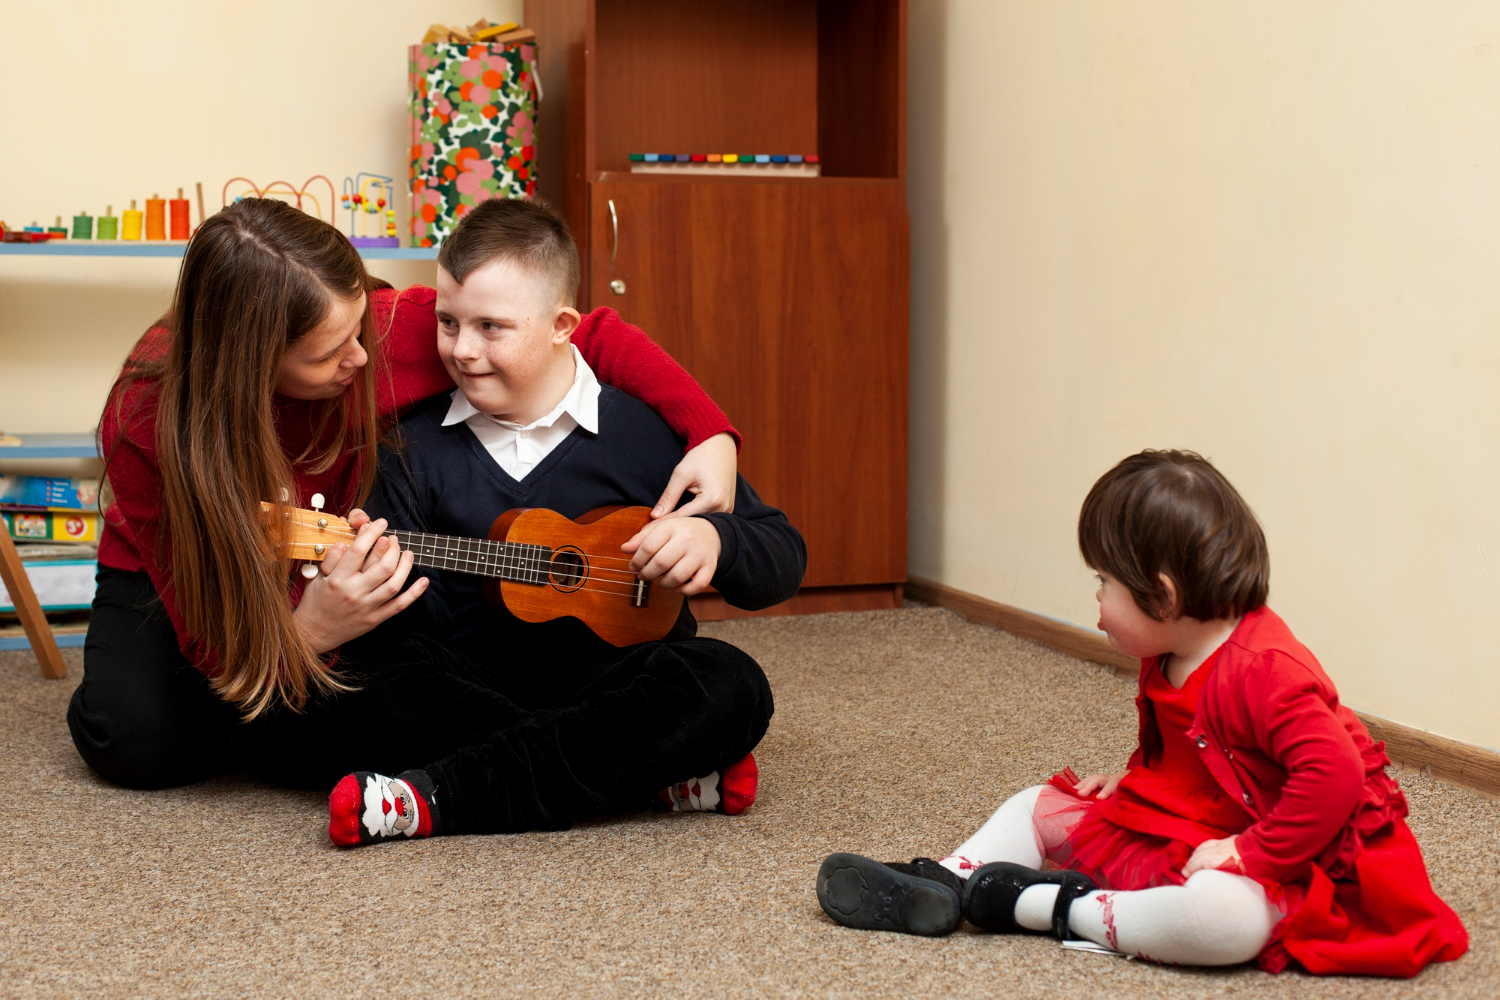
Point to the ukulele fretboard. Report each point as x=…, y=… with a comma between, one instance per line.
x=479, y=556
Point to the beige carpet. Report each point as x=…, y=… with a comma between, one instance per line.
x=896, y=733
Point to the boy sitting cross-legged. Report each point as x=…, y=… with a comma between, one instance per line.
x=561, y=724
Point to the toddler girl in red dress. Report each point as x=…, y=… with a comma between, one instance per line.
x=1255, y=819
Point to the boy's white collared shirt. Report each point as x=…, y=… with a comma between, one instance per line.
x=517, y=448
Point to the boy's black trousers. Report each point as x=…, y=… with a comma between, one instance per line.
x=535, y=740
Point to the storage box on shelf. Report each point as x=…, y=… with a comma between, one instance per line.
x=785, y=296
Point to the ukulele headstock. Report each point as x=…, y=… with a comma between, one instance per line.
x=304, y=534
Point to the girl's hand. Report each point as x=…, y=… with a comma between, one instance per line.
x=1211, y=854
x=1104, y=784
x=708, y=472
x=682, y=553
x=358, y=587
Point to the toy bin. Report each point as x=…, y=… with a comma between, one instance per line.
x=473, y=128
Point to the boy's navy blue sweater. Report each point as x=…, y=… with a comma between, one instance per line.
x=441, y=480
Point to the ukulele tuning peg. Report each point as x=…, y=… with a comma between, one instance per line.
x=309, y=571
x=285, y=496
x=317, y=502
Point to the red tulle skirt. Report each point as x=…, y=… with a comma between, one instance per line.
x=1376, y=915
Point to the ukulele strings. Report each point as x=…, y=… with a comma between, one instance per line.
x=628, y=584
x=391, y=532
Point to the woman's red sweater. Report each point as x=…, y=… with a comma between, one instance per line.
x=134, y=537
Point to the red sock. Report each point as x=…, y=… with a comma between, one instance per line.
x=731, y=792
x=366, y=807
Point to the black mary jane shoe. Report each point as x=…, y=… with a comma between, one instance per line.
x=991, y=894
x=922, y=897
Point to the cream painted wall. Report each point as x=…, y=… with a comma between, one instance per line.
x=102, y=102
x=1265, y=231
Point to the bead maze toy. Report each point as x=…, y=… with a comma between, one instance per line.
x=285, y=191
x=365, y=195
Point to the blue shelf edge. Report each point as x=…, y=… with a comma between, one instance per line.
x=51, y=446
x=20, y=642
x=167, y=248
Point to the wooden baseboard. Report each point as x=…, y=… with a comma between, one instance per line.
x=1462, y=764
x=809, y=601
x=1060, y=636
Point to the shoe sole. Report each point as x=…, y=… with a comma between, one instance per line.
x=866, y=895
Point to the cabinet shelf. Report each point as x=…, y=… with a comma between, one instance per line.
x=628, y=177
x=164, y=248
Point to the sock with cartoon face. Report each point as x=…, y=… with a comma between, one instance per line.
x=366, y=807
x=731, y=792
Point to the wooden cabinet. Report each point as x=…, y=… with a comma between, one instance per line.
x=787, y=298
x=779, y=298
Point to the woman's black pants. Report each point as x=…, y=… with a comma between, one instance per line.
x=510, y=745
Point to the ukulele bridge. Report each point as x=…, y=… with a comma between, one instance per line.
x=642, y=595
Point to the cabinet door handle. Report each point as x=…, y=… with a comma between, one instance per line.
x=614, y=232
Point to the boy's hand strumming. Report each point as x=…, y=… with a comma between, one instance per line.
x=677, y=552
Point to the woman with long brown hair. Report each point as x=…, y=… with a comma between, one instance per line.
x=273, y=376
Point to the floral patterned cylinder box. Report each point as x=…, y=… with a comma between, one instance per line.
x=473, y=126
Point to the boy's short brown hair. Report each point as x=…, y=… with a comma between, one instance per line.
x=1172, y=512
x=526, y=232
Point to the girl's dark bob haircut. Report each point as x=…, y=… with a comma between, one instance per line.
x=1171, y=512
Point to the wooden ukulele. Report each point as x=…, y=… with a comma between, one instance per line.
x=537, y=563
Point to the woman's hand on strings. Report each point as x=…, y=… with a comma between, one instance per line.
x=709, y=472
x=358, y=587
x=1211, y=854
x=1104, y=784
x=679, y=552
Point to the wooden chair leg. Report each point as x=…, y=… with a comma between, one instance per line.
x=18, y=584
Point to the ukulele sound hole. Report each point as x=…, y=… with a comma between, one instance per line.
x=568, y=569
